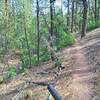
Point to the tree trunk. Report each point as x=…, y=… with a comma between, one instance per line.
x=98, y=15
x=26, y=39
x=38, y=33
x=51, y=28
x=68, y=19
x=95, y=11
x=72, y=22
x=6, y=7
x=51, y=16
x=62, y=7
x=75, y=18
x=84, y=23
x=6, y=25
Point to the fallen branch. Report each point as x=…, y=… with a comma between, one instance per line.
x=47, y=82
x=42, y=83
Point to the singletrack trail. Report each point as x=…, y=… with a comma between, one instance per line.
x=82, y=75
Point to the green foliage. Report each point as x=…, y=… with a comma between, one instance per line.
x=12, y=71
x=92, y=24
x=24, y=71
x=34, y=59
x=44, y=55
x=1, y=79
x=64, y=40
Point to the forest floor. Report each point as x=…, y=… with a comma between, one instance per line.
x=79, y=80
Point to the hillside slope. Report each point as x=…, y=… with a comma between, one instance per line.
x=79, y=80
x=85, y=68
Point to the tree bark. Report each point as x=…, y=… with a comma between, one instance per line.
x=38, y=33
x=98, y=15
x=68, y=19
x=95, y=11
x=75, y=18
x=26, y=38
x=51, y=28
x=84, y=23
x=72, y=22
x=51, y=16
x=6, y=24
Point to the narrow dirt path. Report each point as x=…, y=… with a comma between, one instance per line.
x=81, y=86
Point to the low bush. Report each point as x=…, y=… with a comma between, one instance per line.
x=64, y=40
x=92, y=24
x=12, y=71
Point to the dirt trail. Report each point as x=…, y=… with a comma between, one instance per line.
x=82, y=74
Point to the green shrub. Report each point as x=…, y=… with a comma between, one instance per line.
x=34, y=59
x=64, y=40
x=25, y=61
x=92, y=24
x=44, y=54
x=12, y=71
